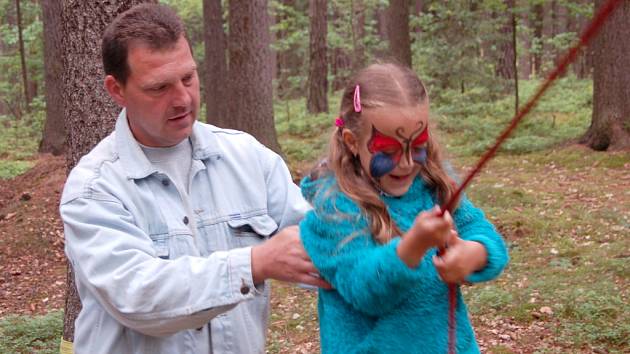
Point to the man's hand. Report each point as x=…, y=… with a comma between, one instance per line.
x=283, y=257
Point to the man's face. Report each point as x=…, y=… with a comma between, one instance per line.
x=161, y=94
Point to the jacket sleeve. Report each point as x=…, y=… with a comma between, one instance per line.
x=285, y=203
x=115, y=262
x=472, y=225
x=369, y=276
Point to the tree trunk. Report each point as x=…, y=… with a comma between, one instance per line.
x=54, y=135
x=583, y=65
x=358, y=33
x=514, y=57
x=398, y=31
x=548, y=28
x=318, y=65
x=505, y=55
x=340, y=62
x=27, y=97
x=288, y=62
x=538, y=37
x=250, y=87
x=216, y=78
x=89, y=112
x=610, y=125
x=380, y=15
x=525, y=57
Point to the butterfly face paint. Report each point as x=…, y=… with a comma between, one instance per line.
x=387, y=151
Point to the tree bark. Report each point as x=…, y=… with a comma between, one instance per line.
x=358, y=33
x=340, y=62
x=250, y=87
x=398, y=31
x=318, y=65
x=54, y=135
x=583, y=65
x=27, y=96
x=610, y=125
x=216, y=78
x=538, y=36
x=505, y=55
x=89, y=112
x=525, y=58
x=288, y=62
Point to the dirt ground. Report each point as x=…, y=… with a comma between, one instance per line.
x=32, y=263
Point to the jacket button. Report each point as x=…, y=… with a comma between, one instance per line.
x=165, y=182
x=185, y=220
x=244, y=290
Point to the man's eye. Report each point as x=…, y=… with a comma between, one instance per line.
x=187, y=79
x=158, y=88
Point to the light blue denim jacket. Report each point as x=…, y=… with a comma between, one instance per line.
x=146, y=282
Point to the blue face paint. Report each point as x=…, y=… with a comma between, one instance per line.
x=381, y=164
x=419, y=155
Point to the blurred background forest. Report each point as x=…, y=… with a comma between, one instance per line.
x=275, y=69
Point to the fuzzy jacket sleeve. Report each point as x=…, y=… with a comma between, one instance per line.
x=369, y=276
x=472, y=225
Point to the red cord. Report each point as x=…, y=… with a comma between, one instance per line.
x=586, y=36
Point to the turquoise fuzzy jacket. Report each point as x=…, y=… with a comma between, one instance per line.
x=379, y=304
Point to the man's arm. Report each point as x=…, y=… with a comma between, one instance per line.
x=283, y=257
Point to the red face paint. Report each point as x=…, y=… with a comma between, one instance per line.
x=387, y=151
x=393, y=148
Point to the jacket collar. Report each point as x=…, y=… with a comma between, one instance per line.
x=134, y=161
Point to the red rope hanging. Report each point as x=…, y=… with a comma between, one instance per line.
x=586, y=37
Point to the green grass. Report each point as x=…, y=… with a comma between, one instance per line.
x=19, y=141
x=12, y=168
x=27, y=334
x=472, y=122
x=567, y=228
x=304, y=136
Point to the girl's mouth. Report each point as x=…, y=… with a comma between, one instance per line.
x=400, y=178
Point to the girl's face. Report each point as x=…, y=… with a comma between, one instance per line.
x=392, y=145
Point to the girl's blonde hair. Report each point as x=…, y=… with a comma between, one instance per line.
x=384, y=84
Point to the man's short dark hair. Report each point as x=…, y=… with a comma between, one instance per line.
x=157, y=26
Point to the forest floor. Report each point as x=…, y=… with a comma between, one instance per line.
x=565, y=214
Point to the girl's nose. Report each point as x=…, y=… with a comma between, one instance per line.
x=405, y=160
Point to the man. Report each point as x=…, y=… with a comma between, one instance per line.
x=168, y=221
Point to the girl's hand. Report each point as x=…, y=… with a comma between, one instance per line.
x=429, y=230
x=460, y=259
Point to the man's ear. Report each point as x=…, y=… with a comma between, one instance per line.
x=116, y=90
x=351, y=141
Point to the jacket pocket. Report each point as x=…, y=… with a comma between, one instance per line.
x=161, y=245
x=252, y=230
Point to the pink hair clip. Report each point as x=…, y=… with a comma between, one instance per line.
x=357, y=99
x=339, y=122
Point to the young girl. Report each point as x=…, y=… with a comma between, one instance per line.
x=376, y=226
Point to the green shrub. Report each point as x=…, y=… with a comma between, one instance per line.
x=27, y=334
x=10, y=169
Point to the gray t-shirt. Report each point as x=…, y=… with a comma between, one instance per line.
x=175, y=162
